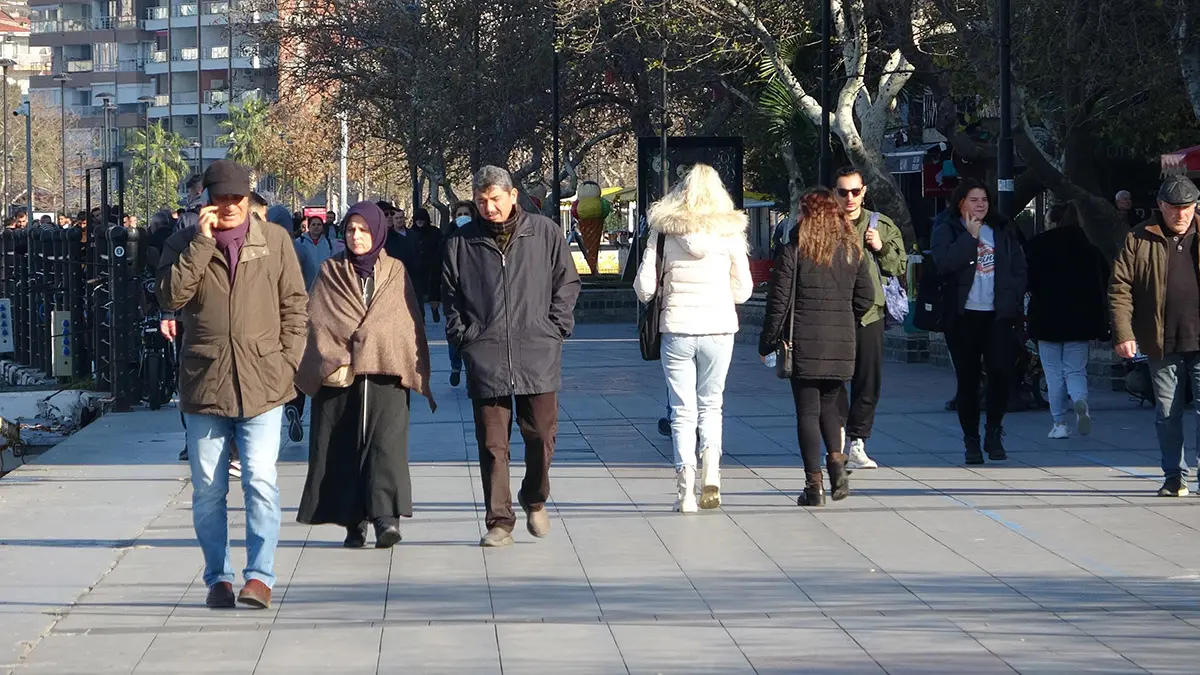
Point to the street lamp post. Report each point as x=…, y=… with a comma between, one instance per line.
x=26, y=110
x=1005, y=151
x=825, y=161
x=196, y=154
x=146, y=101
x=104, y=98
x=5, y=64
x=82, y=197
x=62, y=79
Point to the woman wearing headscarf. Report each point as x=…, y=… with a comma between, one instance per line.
x=366, y=353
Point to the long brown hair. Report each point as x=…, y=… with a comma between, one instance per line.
x=824, y=228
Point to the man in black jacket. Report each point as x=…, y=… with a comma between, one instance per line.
x=509, y=288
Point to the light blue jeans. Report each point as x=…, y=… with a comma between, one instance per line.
x=257, y=438
x=1065, y=367
x=1168, y=376
x=695, y=367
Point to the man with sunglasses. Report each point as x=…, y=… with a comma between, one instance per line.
x=883, y=241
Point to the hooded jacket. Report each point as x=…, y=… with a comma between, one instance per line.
x=706, y=271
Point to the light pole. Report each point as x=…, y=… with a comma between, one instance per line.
x=62, y=79
x=146, y=101
x=25, y=110
x=82, y=189
x=196, y=153
x=825, y=162
x=556, y=184
x=104, y=98
x=1004, y=155
x=5, y=64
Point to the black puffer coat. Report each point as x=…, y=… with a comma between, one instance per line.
x=508, y=313
x=829, y=303
x=1068, y=286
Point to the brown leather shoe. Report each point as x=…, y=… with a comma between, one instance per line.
x=255, y=594
x=220, y=596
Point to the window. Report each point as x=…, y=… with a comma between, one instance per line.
x=105, y=54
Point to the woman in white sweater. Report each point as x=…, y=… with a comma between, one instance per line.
x=706, y=272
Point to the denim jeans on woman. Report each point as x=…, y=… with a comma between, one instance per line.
x=209, y=440
x=1065, y=367
x=695, y=367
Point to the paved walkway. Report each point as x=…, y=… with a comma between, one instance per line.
x=1057, y=561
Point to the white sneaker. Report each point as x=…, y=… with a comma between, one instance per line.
x=710, y=479
x=857, y=456
x=1059, y=431
x=235, y=468
x=1083, y=417
x=685, y=488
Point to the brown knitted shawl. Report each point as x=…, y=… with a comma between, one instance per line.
x=386, y=339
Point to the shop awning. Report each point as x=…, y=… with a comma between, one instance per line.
x=1182, y=161
x=908, y=158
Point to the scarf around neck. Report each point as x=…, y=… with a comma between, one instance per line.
x=229, y=242
x=507, y=227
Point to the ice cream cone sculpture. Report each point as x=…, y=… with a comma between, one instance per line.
x=590, y=210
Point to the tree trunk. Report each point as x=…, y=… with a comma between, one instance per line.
x=885, y=193
x=1187, y=46
x=795, y=179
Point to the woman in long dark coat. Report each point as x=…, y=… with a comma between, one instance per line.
x=366, y=353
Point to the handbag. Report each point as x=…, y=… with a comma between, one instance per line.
x=783, y=351
x=649, y=335
x=895, y=297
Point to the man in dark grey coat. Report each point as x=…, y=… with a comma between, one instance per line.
x=509, y=288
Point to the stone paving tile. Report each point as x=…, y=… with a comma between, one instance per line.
x=1057, y=561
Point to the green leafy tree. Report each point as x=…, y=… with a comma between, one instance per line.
x=157, y=163
x=247, y=132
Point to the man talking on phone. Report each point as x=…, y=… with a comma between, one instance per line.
x=235, y=283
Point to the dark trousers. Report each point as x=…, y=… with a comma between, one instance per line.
x=977, y=340
x=298, y=402
x=867, y=381
x=818, y=418
x=537, y=418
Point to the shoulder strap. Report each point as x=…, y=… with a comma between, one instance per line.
x=791, y=325
x=659, y=263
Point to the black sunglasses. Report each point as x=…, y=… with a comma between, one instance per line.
x=843, y=192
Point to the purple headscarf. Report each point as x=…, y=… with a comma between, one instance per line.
x=364, y=264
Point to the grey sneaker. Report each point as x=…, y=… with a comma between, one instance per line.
x=537, y=522
x=497, y=537
x=1083, y=417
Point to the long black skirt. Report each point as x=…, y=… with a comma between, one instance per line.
x=358, y=464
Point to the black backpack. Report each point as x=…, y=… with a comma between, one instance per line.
x=930, y=310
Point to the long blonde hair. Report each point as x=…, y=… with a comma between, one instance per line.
x=824, y=228
x=701, y=192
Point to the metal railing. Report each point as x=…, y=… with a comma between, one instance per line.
x=78, y=25
x=79, y=65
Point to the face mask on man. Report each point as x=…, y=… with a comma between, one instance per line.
x=462, y=220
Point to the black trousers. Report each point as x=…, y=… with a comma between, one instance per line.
x=976, y=339
x=867, y=382
x=818, y=418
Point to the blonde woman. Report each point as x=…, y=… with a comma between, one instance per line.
x=705, y=273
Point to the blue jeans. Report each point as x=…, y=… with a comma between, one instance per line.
x=1065, y=367
x=257, y=439
x=1168, y=377
x=695, y=367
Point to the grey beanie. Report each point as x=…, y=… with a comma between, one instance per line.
x=280, y=215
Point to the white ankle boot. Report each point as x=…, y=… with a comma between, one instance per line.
x=685, y=484
x=710, y=479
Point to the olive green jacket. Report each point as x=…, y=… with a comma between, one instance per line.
x=891, y=259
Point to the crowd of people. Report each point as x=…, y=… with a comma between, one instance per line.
x=277, y=315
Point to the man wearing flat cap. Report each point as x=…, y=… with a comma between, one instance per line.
x=236, y=283
x=1155, y=301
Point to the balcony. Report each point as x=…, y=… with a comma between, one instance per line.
x=79, y=65
x=245, y=56
x=79, y=25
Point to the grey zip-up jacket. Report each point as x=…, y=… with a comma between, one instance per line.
x=508, y=312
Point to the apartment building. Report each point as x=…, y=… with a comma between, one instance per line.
x=14, y=46
x=175, y=61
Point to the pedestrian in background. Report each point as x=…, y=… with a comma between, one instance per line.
x=314, y=248
x=978, y=255
x=366, y=352
x=236, y=282
x=705, y=274
x=1154, y=298
x=883, y=246
x=1068, y=308
x=464, y=214
x=510, y=288
x=822, y=284
x=427, y=262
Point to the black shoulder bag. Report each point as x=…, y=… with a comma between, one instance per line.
x=649, y=336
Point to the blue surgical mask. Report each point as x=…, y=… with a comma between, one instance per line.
x=462, y=220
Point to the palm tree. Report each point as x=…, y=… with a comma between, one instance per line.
x=156, y=161
x=246, y=130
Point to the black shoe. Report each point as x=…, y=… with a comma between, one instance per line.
x=974, y=453
x=455, y=378
x=1175, y=486
x=295, y=428
x=814, y=491
x=994, y=444
x=387, y=533
x=839, y=480
x=436, y=315
x=356, y=536
x=183, y=456
x=664, y=426
x=220, y=596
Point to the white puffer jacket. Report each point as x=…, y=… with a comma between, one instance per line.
x=707, y=272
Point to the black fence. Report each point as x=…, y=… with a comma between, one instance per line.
x=77, y=298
